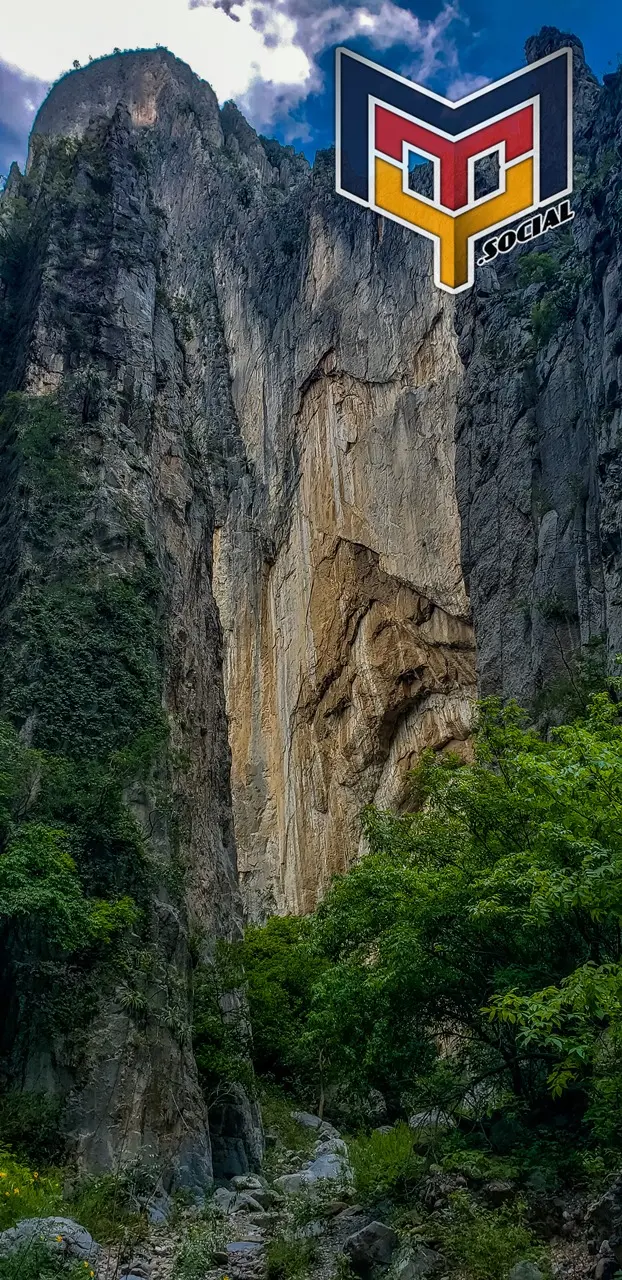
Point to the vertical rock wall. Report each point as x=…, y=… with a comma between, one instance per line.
x=538, y=432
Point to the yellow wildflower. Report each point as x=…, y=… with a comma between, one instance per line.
x=15, y=1191
x=2, y=1174
x=35, y=1175
x=59, y=1238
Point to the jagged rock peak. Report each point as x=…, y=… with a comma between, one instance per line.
x=147, y=81
x=548, y=40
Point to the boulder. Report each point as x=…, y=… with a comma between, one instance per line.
x=245, y=1201
x=290, y=1183
x=323, y=1127
x=331, y=1147
x=434, y=1119
x=603, y=1218
x=498, y=1192
x=159, y=1210
x=606, y=1268
x=372, y=1246
x=267, y=1199
x=417, y=1263
x=63, y=1235
x=326, y=1168
x=525, y=1271
x=222, y=1199
x=247, y=1182
x=307, y=1120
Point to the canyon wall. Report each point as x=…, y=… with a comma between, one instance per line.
x=323, y=371
x=253, y=446
x=538, y=426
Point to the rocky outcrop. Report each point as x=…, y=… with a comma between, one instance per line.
x=326, y=427
x=258, y=445
x=538, y=430
x=108, y=613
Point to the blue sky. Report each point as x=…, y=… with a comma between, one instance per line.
x=274, y=57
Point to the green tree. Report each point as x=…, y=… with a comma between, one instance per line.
x=475, y=948
x=281, y=969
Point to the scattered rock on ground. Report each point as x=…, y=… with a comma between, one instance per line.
x=248, y=1182
x=417, y=1263
x=525, y=1271
x=372, y=1246
x=245, y=1200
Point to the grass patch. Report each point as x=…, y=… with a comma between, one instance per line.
x=385, y=1163
x=485, y=1244
x=108, y=1208
x=36, y=1262
x=197, y=1254
x=289, y=1259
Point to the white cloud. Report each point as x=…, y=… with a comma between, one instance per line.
x=462, y=86
x=262, y=53
x=269, y=42
x=43, y=37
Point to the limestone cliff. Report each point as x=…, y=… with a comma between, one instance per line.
x=538, y=430
x=253, y=443
x=322, y=375
x=107, y=617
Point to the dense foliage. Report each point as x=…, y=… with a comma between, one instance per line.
x=471, y=959
x=81, y=724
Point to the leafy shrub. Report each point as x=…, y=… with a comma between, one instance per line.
x=281, y=969
x=30, y=1127
x=546, y=317
x=470, y=960
x=483, y=1243
x=276, y=1109
x=535, y=267
x=26, y=1193
x=108, y=1206
x=289, y=1259
x=385, y=1163
x=221, y=1044
x=203, y=1241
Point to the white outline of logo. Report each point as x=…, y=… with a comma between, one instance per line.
x=472, y=202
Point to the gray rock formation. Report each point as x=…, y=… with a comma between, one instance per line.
x=295, y=456
x=538, y=431
x=320, y=375
x=108, y=517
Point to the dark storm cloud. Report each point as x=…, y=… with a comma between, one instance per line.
x=20, y=95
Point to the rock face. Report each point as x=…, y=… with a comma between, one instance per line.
x=249, y=425
x=107, y=609
x=538, y=430
x=320, y=373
